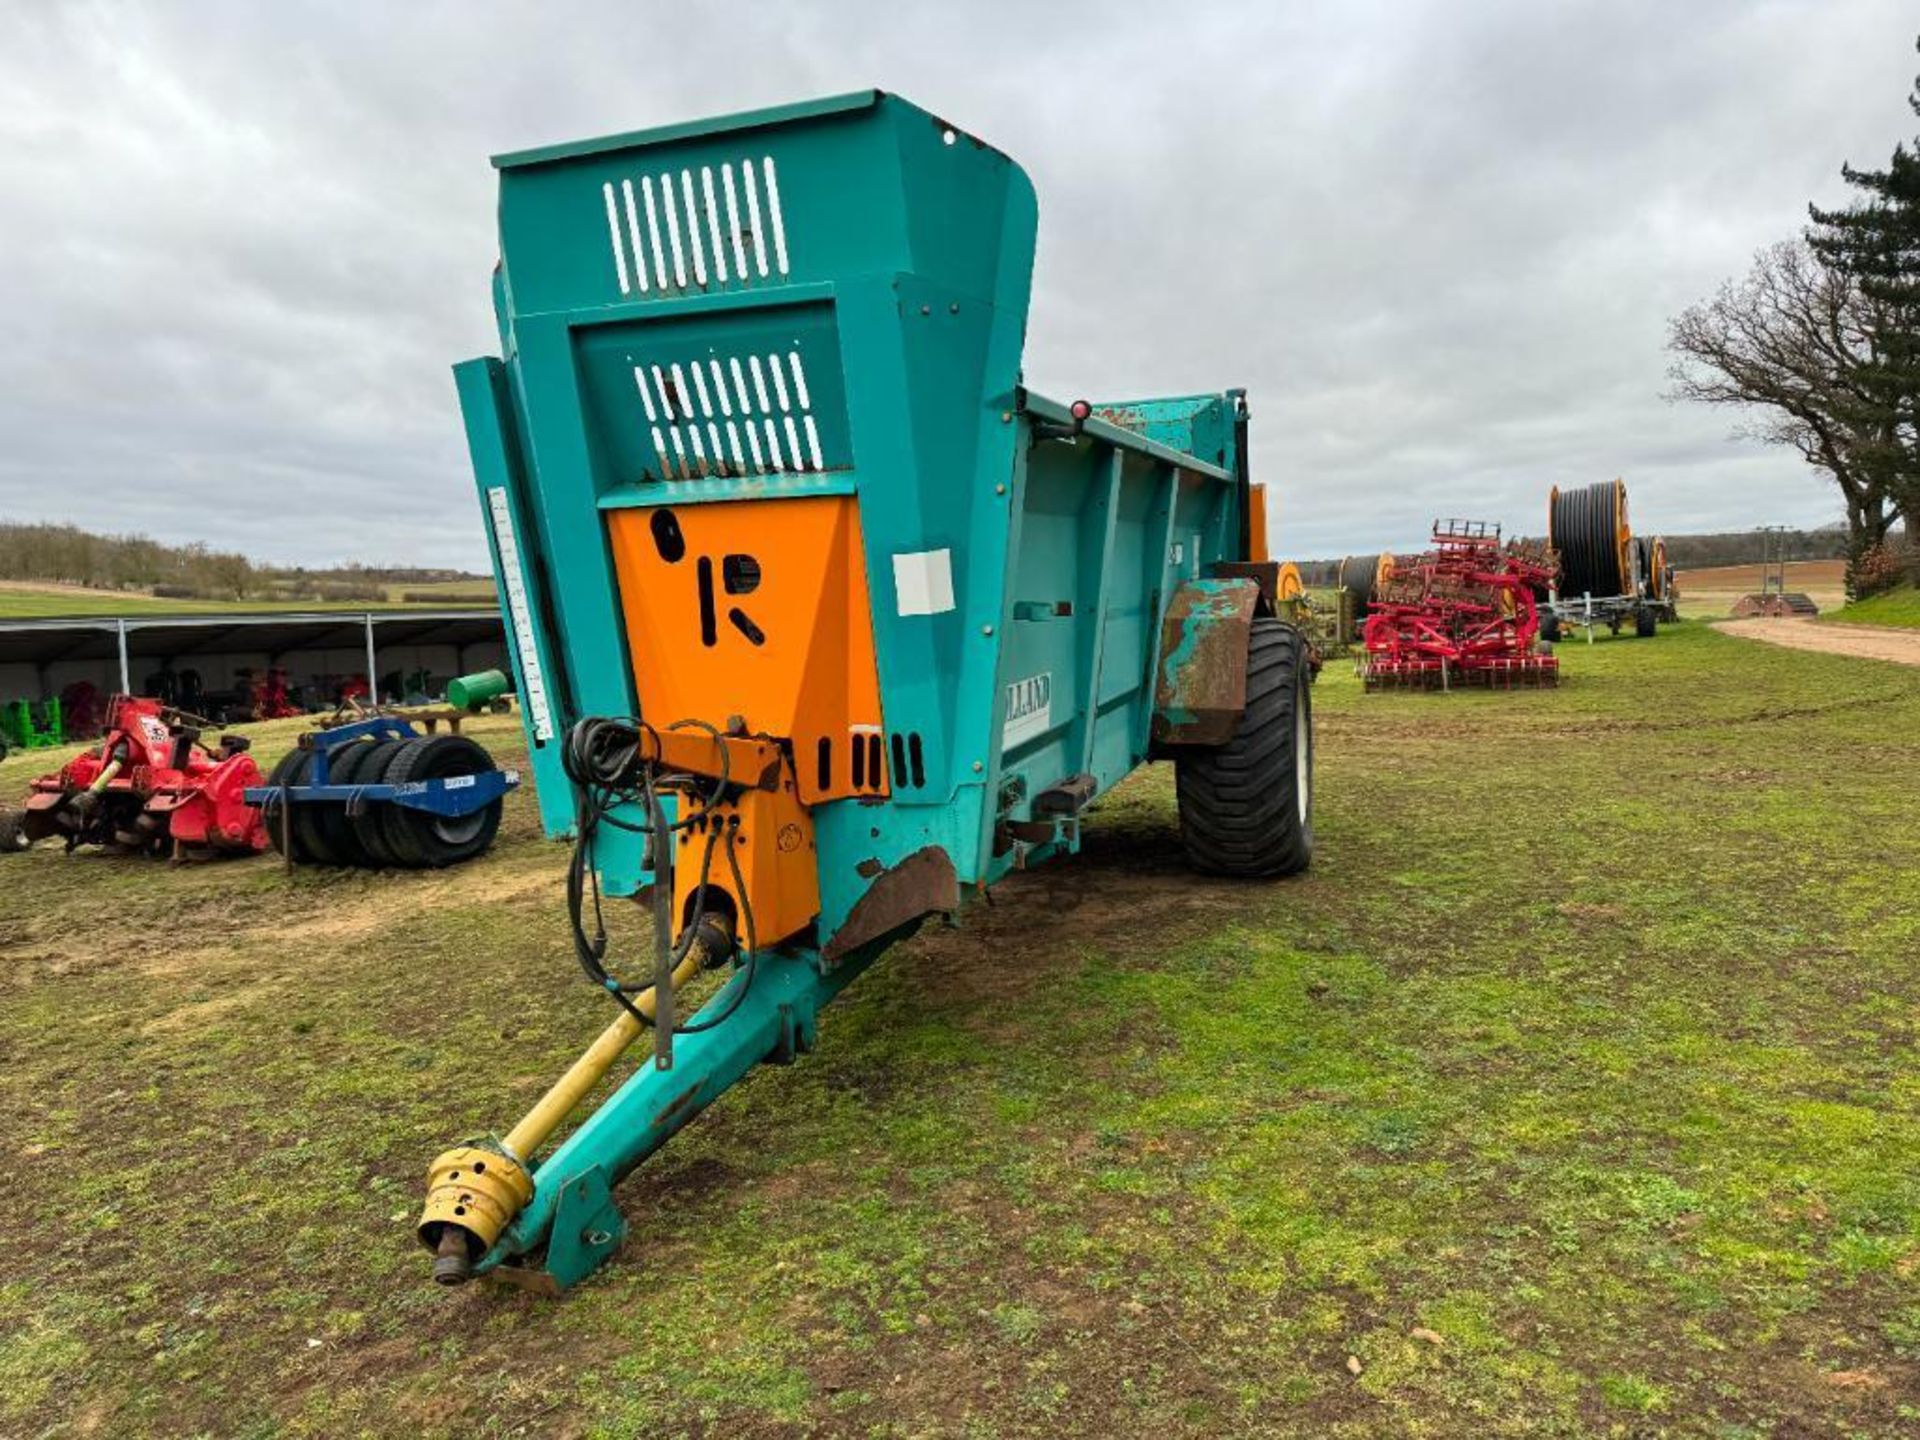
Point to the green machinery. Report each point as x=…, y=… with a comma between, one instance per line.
x=820, y=621
x=31, y=725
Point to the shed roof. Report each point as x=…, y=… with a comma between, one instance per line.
x=151, y=636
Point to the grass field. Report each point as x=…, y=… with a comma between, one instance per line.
x=1895, y=607
x=445, y=592
x=1572, y=1093
x=35, y=603
x=30, y=602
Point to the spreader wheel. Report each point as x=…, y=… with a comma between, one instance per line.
x=419, y=838
x=1246, y=807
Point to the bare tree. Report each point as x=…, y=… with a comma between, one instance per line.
x=1789, y=343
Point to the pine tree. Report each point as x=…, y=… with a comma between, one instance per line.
x=1876, y=241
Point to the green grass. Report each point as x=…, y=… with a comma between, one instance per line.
x=1893, y=607
x=1572, y=1093
x=43, y=604
x=63, y=604
x=447, y=592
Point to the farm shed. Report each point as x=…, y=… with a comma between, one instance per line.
x=38, y=658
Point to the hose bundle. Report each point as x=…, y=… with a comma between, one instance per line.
x=605, y=758
x=1588, y=527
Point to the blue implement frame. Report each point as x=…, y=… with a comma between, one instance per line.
x=451, y=797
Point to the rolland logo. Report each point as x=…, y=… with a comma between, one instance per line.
x=1031, y=696
x=1029, y=709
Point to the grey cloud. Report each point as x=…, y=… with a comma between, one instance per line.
x=240, y=245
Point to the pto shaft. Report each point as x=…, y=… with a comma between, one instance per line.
x=474, y=1191
x=571, y=1088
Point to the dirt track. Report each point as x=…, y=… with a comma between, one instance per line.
x=1868, y=642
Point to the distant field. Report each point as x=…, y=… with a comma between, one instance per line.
x=446, y=592
x=1713, y=591
x=25, y=603
x=18, y=602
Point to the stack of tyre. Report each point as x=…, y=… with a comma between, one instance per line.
x=380, y=834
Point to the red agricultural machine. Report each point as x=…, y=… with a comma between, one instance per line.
x=265, y=696
x=150, y=786
x=1461, y=614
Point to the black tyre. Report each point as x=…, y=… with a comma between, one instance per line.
x=1246, y=807
x=431, y=841
x=281, y=771
x=1645, y=622
x=351, y=766
x=342, y=836
x=1549, y=626
x=369, y=826
x=294, y=768
x=313, y=825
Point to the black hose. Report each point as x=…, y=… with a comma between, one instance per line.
x=606, y=759
x=1356, y=577
x=1584, y=525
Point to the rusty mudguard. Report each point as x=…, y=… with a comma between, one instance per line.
x=1202, y=683
x=924, y=883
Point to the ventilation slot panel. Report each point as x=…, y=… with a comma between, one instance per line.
x=868, y=767
x=696, y=229
x=909, y=761
x=698, y=413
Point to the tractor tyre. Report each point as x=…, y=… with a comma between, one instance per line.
x=430, y=841
x=370, y=825
x=1246, y=807
x=1645, y=622
x=1549, y=626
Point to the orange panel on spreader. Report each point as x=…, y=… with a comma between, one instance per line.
x=758, y=609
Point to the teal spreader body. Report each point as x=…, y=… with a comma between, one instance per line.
x=1040, y=579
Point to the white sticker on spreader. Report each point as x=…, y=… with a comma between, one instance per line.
x=923, y=582
x=519, y=618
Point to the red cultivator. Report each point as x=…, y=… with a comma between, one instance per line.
x=1461, y=614
x=150, y=786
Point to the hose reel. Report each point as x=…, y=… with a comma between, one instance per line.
x=1588, y=527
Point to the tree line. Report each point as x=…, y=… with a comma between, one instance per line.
x=69, y=555
x=66, y=554
x=1684, y=552
x=1818, y=348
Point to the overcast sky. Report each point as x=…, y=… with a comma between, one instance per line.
x=240, y=245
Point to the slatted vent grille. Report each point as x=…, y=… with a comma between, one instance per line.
x=696, y=229
x=731, y=417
